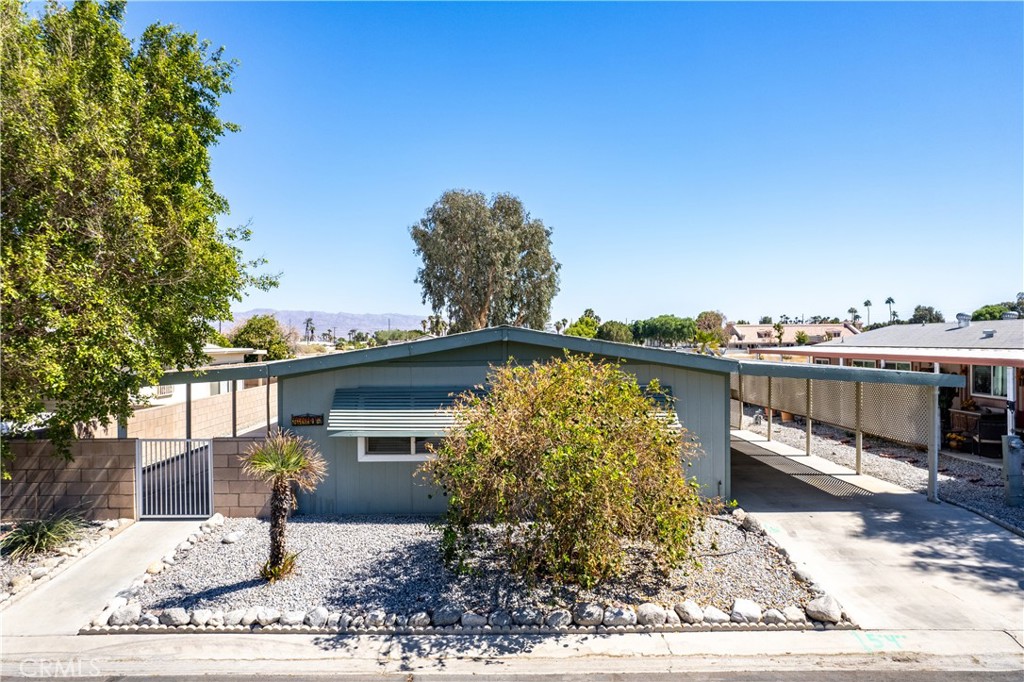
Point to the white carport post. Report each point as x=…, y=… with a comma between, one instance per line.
x=807, y=436
x=933, y=445
x=858, y=394
x=769, y=408
x=1011, y=400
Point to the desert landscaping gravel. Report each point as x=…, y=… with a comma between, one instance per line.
x=971, y=485
x=357, y=564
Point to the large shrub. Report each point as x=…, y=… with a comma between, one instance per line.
x=569, y=459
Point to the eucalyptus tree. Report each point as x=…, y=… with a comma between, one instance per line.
x=485, y=263
x=113, y=262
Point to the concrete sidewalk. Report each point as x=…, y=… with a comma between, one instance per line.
x=70, y=600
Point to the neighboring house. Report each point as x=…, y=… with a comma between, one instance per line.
x=748, y=336
x=372, y=412
x=218, y=357
x=989, y=354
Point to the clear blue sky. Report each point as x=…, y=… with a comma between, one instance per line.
x=752, y=158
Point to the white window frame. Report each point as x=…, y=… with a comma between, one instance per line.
x=822, y=361
x=899, y=365
x=164, y=391
x=412, y=456
x=1002, y=369
x=867, y=364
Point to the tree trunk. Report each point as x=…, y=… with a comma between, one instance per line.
x=280, y=503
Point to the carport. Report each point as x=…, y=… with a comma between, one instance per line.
x=901, y=406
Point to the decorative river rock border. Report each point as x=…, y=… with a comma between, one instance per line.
x=124, y=616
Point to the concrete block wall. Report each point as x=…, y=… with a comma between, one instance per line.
x=234, y=493
x=99, y=482
x=211, y=416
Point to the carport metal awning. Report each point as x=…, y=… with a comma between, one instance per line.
x=392, y=412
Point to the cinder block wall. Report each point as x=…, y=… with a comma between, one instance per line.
x=99, y=482
x=234, y=493
x=211, y=416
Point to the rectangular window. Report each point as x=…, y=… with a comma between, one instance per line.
x=862, y=363
x=822, y=361
x=904, y=366
x=164, y=391
x=987, y=380
x=395, y=448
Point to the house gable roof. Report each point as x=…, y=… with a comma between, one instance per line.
x=628, y=353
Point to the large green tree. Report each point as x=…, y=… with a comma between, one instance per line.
x=613, y=330
x=586, y=326
x=926, y=313
x=262, y=332
x=113, y=261
x=713, y=321
x=485, y=263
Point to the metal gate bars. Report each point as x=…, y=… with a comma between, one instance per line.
x=174, y=478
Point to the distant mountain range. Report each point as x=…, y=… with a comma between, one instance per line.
x=339, y=323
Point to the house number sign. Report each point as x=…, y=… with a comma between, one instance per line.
x=307, y=420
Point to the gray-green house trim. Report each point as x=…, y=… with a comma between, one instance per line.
x=621, y=351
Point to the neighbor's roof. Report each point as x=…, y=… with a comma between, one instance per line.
x=765, y=333
x=956, y=356
x=1008, y=335
x=624, y=352
x=937, y=342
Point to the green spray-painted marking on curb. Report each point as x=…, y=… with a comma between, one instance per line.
x=873, y=641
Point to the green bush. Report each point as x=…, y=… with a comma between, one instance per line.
x=568, y=459
x=37, y=536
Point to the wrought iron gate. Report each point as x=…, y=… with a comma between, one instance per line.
x=174, y=478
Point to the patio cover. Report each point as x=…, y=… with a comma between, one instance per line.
x=966, y=356
x=392, y=412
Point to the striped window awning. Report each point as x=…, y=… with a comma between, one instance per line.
x=396, y=412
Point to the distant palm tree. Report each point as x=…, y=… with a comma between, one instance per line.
x=867, y=304
x=560, y=325
x=889, y=301
x=310, y=329
x=853, y=313
x=281, y=460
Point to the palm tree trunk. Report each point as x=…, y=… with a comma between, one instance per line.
x=280, y=503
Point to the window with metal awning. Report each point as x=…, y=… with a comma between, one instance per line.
x=393, y=424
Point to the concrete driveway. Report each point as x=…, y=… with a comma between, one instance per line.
x=893, y=559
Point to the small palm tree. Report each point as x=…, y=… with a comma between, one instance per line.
x=281, y=460
x=889, y=301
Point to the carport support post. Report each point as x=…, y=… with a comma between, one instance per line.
x=739, y=381
x=188, y=411
x=933, y=448
x=858, y=393
x=234, y=408
x=807, y=436
x=769, y=408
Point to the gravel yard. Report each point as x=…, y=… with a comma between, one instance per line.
x=357, y=564
x=974, y=486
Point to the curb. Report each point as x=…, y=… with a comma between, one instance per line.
x=276, y=629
